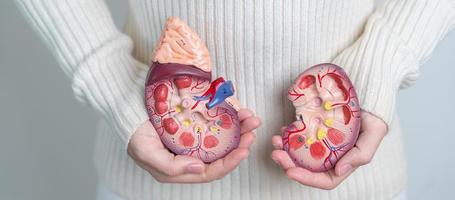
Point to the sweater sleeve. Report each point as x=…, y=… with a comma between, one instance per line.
x=95, y=56
x=398, y=37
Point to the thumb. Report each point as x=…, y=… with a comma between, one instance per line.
x=372, y=132
x=361, y=154
x=173, y=165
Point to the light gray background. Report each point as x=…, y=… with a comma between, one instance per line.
x=47, y=136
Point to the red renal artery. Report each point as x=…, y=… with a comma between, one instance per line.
x=328, y=114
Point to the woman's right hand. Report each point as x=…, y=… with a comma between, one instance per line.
x=372, y=130
x=147, y=150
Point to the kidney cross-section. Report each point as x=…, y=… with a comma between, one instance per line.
x=192, y=114
x=182, y=120
x=327, y=117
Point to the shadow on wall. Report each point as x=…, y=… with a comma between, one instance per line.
x=47, y=136
x=426, y=113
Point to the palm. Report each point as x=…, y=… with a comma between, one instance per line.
x=149, y=152
x=372, y=130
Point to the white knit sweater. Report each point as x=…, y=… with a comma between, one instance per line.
x=262, y=45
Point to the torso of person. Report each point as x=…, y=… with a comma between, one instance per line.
x=262, y=46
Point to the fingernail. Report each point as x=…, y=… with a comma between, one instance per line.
x=345, y=169
x=195, y=168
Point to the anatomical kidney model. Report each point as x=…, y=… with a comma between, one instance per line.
x=328, y=118
x=192, y=115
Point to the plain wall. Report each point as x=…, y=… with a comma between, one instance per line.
x=47, y=136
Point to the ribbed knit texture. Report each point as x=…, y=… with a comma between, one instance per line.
x=96, y=57
x=398, y=38
x=261, y=45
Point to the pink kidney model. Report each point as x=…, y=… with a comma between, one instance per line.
x=192, y=115
x=328, y=118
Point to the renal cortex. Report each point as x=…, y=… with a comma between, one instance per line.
x=327, y=117
x=192, y=114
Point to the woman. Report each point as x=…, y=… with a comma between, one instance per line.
x=262, y=46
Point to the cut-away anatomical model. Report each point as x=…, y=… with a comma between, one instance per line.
x=192, y=114
x=328, y=117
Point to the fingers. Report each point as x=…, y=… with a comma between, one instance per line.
x=244, y=114
x=373, y=123
x=222, y=167
x=166, y=167
x=277, y=142
x=249, y=124
x=246, y=140
x=282, y=159
x=278, y=155
x=373, y=131
x=362, y=153
x=323, y=180
x=155, y=156
x=182, y=164
x=210, y=172
x=149, y=153
x=213, y=171
x=306, y=177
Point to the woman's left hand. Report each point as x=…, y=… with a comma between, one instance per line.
x=372, y=131
x=147, y=150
